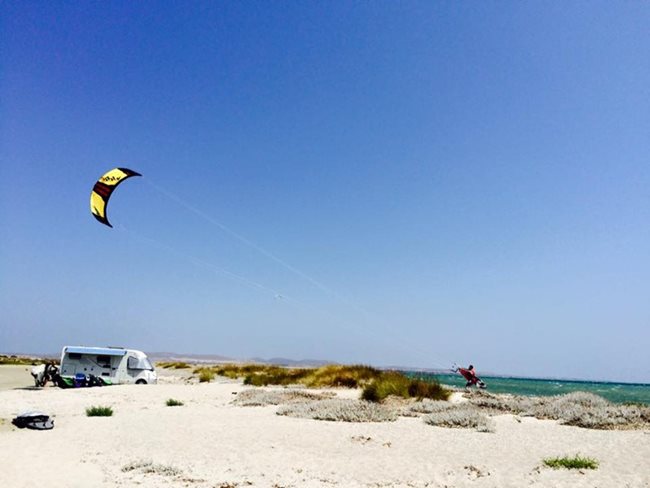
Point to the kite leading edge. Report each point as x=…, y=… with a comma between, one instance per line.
x=103, y=190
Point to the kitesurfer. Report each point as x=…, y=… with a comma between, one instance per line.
x=472, y=379
x=470, y=375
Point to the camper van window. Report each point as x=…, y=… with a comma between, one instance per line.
x=135, y=363
x=74, y=355
x=104, y=361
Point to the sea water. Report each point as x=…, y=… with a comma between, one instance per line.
x=614, y=392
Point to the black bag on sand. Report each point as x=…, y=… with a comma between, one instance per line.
x=33, y=420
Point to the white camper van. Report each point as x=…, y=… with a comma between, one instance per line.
x=112, y=365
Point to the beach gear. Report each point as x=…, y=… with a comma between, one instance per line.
x=33, y=420
x=103, y=190
x=80, y=380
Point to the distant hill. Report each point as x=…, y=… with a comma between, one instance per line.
x=217, y=358
x=190, y=358
x=293, y=362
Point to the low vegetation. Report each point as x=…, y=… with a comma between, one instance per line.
x=148, y=467
x=171, y=402
x=258, y=398
x=396, y=384
x=205, y=374
x=326, y=376
x=99, y=411
x=426, y=406
x=399, y=394
x=334, y=375
x=23, y=360
x=339, y=410
x=462, y=417
x=275, y=375
x=575, y=462
x=580, y=409
x=377, y=385
x=173, y=365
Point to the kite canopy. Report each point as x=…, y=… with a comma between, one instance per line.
x=103, y=190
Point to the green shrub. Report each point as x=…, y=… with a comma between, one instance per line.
x=173, y=365
x=427, y=389
x=206, y=375
x=275, y=375
x=334, y=375
x=376, y=384
x=371, y=393
x=390, y=383
x=240, y=370
x=575, y=462
x=323, y=377
x=395, y=383
x=174, y=403
x=99, y=411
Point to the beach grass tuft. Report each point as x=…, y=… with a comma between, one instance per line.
x=575, y=462
x=171, y=402
x=174, y=365
x=205, y=374
x=275, y=375
x=335, y=375
x=98, y=411
x=394, y=383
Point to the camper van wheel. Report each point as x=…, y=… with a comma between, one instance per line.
x=141, y=382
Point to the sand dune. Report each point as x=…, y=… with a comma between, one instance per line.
x=209, y=442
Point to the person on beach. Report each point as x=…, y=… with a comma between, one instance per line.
x=472, y=379
x=470, y=375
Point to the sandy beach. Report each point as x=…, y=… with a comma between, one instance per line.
x=15, y=376
x=211, y=442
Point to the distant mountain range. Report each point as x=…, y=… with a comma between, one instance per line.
x=213, y=358
x=217, y=358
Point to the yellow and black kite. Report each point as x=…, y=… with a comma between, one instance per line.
x=103, y=190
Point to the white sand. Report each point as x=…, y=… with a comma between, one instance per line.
x=15, y=376
x=212, y=443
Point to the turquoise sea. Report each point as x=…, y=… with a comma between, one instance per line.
x=615, y=392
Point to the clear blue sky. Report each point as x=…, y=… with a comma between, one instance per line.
x=467, y=181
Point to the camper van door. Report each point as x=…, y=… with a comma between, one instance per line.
x=139, y=368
